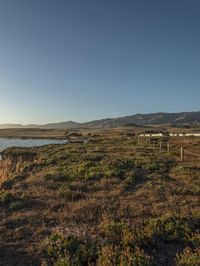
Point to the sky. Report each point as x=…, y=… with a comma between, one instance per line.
x=81, y=60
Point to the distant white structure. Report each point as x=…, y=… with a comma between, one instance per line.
x=159, y=134
x=151, y=135
x=191, y=134
x=173, y=134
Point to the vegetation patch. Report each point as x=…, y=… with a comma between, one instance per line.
x=167, y=228
x=115, y=201
x=70, y=250
x=188, y=257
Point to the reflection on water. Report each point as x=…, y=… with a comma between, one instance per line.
x=7, y=143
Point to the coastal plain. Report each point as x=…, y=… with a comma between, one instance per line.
x=115, y=200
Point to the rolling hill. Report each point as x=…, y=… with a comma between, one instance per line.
x=190, y=118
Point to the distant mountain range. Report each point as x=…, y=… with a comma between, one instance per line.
x=189, y=118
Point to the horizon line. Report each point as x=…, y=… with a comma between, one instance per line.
x=114, y=117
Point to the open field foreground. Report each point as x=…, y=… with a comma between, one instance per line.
x=118, y=200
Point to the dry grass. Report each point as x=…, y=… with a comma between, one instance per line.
x=115, y=187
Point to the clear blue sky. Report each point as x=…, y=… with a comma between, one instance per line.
x=87, y=59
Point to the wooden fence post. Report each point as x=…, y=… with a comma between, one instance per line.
x=182, y=154
x=160, y=145
x=168, y=147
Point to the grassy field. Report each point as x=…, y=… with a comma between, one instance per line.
x=61, y=133
x=117, y=200
x=32, y=133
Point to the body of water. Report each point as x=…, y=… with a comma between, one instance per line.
x=7, y=143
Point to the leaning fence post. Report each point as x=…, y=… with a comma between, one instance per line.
x=182, y=154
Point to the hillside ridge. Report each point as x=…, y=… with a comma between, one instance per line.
x=139, y=119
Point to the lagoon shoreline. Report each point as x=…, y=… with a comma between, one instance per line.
x=33, y=133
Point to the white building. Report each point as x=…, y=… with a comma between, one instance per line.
x=151, y=135
x=173, y=134
x=191, y=134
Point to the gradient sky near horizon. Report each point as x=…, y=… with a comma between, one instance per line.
x=82, y=60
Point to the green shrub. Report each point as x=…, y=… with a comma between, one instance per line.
x=109, y=256
x=94, y=157
x=135, y=258
x=185, y=171
x=167, y=229
x=12, y=203
x=70, y=250
x=63, y=262
x=156, y=176
x=192, y=191
x=150, y=165
x=188, y=257
x=113, y=256
x=118, y=168
x=73, y=195
x=16, y=206
x=130, y=179
x=195, y=240
x=6, y=197
x=113, y=231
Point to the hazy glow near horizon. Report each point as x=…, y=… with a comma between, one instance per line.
x=84, y=60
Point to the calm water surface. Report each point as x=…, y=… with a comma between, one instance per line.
x=7, y=143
